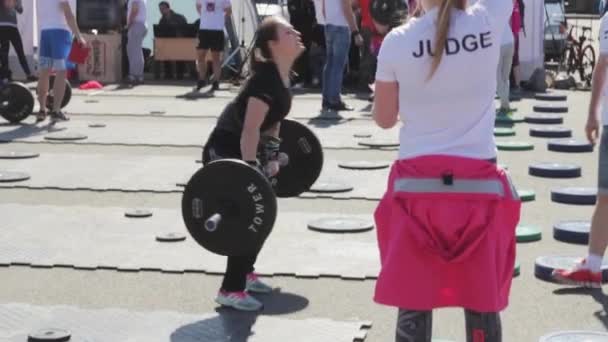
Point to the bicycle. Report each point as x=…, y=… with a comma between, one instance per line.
x=578, y=55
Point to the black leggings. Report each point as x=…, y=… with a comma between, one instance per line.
x=10, y=35
x=237, y=267
x=417, y=326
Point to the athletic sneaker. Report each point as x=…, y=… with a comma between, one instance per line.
x=200, y=84
x=238, y=300
x=254, y=284
x=58, y=116
x=41, y=116
x=579, y=275
x=215, y=86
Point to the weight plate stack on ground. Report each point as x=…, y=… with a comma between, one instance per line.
x=138, y=213
x=16, y=102
x=363, y=165
x=573, y=231
x=18, y=155
x=514, y=146
x=551, y=108
x=550, y=132
x=50, y=335
x=545, y=265
x=545, y=119
x=569, y=146
x=574, y=195
x=305, y=163
x=341, y=225
x=576, y=336
x=229, y=207
x=10, y=176
x=171, y=237
x=503, y=132
x=553, y=97
x=528, y=234
x=65, y=136
x=554, y=170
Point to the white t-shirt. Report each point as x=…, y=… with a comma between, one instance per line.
x=452, y=113
x=53, y=17
x=334, y=15
x=319, y=12
x=213, y=14
x=142, y=14
x=604, y=51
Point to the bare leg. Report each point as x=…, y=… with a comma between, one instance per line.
x=59, y=89
x=483, y=327
x=202, y=65
x=43, y=88
x=598, y=239
x=217, y=67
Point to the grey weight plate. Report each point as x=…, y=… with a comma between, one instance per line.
x=362, y=135
x=576, y=336
x=551, y=108
x=573, y=231
x=65, y=136
x=378, y=143
x=341, y=225
x=10, y=176
x=330, y=187
x=138, y=213
x=97, y=125
x=569, y=146
x=574, y=195
x=550, y=132
x=170, y=237
x=17, y=155
x=555, y=170
x=363, y=165
x=49, y=335
x=545, y=119
x=550, y=97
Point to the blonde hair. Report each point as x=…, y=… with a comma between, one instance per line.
x=443, y=28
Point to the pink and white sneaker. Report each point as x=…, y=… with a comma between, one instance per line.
x=579, y=275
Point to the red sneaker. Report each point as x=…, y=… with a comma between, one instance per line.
x=579, y=276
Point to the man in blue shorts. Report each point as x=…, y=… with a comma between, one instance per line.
x=57, y=24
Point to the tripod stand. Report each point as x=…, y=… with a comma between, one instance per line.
x=242, y=51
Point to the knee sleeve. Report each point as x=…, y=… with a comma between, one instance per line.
x=483, y=327
x=414, y=326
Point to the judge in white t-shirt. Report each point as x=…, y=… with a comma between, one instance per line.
x=211, y=38
x=137, y=30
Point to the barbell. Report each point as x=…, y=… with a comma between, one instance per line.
x=17, y=101
x=229, y=207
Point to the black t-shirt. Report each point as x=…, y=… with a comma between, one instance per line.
x=266, y=85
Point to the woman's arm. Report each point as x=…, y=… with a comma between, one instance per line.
x=250, y=137
x=386, y=104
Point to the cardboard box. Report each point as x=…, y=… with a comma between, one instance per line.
x=104, y=63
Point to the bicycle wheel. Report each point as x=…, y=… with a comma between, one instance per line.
x=587, y=64
x=568, y=61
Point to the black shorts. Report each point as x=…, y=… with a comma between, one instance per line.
x=211, y=40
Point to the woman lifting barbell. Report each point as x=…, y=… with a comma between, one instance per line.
x=446, y=225
x=254, y=117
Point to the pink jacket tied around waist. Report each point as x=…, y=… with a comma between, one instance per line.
x=446, y=234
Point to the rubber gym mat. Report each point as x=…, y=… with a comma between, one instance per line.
x=19, y=320
x=103, y=238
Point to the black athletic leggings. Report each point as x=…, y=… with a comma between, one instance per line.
x=417, y=326
x=10, y=35
x=237, y=267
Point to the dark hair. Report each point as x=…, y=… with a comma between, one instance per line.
x=266, y=32
x=164, y=3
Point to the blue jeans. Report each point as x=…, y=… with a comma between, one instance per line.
x=337, y=45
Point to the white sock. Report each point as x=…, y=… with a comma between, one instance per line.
x=594, y=263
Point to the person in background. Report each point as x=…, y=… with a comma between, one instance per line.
x=9, y=34
x=517, y=22
x=171, y=19
x=505, y=64
x=317, y=47
x=302, y=18
x=55, y=46
x=137, y=31
x=211, y=38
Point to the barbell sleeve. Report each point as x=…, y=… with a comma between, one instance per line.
x=212, y=222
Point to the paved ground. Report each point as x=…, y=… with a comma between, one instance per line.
x=69, y=214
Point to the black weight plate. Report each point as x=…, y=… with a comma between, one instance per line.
x=544, y=266
x=50, y=335
x=551, y=108
x=171, y=237
x=379, y=143
x=65, y=136
x=545, y=119
x=569, y=145
x=244, y=199
x=18, y=155
x=363, y=165
x=574, y=195
x=551, y=132
x=138, y=213
x=576, y=336
x=16, y=102
x=305, y=160
x=9, y=176
x=551, y=97
x=554, y=170
x=362, y=135
x=341, y=225
x=330, y=187
x=575, y=231
x=97, y=125
x=67, y=96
